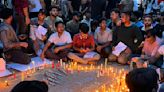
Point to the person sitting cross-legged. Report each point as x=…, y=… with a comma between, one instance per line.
x=84, y=45
x=103, y=38
x=39, y=31
x=62, y=41
x=12, y=47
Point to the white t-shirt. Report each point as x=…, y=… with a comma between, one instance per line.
x=103, y=37
x=37, y=4
x=65, y=38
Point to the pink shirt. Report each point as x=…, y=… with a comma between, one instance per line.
x=151, y=49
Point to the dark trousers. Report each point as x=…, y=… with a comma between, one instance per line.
x=56, y=56
x=21, y=25
x=17, y=56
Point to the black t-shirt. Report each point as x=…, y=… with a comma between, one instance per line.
x=75, y=4
x=131, y=36
x=97, y=7
x=159, y=30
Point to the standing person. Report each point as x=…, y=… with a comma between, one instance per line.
x=21, y=15
x=72, y=26
x=111, y=4
x=127, y=5
x=73, y=5
x=103, y=38
x=35, y=6
x=62, y=41
x=130, y=35
x=47, y=6
x=12, y=48
x=98, y=9
x=84, y=6
x=84, y=45
x=53, y=18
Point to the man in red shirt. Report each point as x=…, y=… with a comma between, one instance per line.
x=84, y=45
x=22, y=15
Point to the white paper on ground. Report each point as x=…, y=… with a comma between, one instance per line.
x=5, y=73
x=21, y=67
x=119, y=48
x=40, y=32
x=89, y=55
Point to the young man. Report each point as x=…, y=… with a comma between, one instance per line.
x=147, y=24
x=103, y=38
x=53, y=18
x=72, y=26
x=39, y=31
x=142, y=80
x=62, y=41
x=128, y=34
x=11, y=45
x=115, y=13
x=83, y=45
x=150, y=50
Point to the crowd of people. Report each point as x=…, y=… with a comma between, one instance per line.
x=84, y=31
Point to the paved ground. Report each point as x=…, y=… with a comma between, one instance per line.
x=77, y=82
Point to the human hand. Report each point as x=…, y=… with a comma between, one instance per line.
x=24, y=44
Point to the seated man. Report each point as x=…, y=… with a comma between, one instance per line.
x=150, y=49
x=39, y=31
x=103, y=37
x=62, y=41
x=130, y=35
x=12, y=47
x=83, y=45
x=142, y=80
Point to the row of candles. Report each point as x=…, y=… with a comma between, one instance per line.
x=117, y=76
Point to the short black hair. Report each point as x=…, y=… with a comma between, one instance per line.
x=151, y=32
x=56, y=7
x=148, y=16
x=128, y=13
x=43, y=11
x=30, y=86
x=116, y=10
x=76, y=13
x=83, y=27
x=6, y=13
x=59, y=22
x=102, y=19
x=142, y=80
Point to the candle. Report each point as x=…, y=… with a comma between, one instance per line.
x=106, y=62
x=61, y=62
x=6, y=83
x=22, y=76
x=33, y=66
x=53, y=65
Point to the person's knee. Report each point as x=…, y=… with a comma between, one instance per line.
x=112, y=58
x=70, y=55
x=97, y=57
x=122, y=60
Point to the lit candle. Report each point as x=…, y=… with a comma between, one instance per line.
x=22, y=76
x=53, y=65
x=61, y=62
x=6, y=83
x=106, y=62
x=33, y=66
